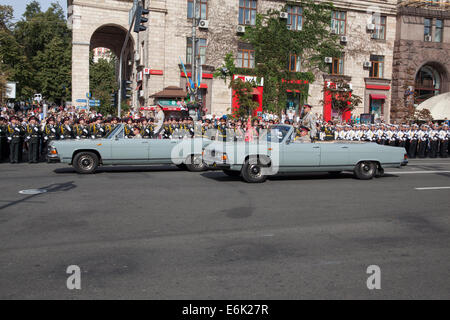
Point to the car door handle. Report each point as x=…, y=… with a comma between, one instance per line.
x=144, y=142
x=344, y=147
x=173, y=141
x=316, y=147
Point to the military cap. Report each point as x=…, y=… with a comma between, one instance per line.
x=13, y=118
x=2, y=119
x=32, y=118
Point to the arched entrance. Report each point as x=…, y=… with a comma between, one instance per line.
x=429, y=82
x=112, y=37
x=96, y=24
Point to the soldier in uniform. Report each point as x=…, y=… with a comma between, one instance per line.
x=3, y=139
x=444, y=136
x=33, y=137
x=166, y=130
x=81, y=130
x=434, y=141
x=423, y=141
x=413, y=136
x=98, y=129
x=50, y=133
x=222, y=130
x=302, y=135
x=146, y=130
x=15, y=138
x=128, y=129
x=65, y=130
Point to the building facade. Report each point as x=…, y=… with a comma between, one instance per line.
x=421, y=55
x=170, y=29
x=369, y=32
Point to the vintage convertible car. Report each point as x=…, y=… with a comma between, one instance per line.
x=87, y=155
x=277, y=152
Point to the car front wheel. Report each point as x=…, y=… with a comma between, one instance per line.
x=85, y=162
x=365, y=170
x=252, y=171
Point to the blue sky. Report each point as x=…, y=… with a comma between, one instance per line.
x=19, y=5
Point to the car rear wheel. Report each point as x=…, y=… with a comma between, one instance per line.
x=252, y=171
x=181, y=166
x=365, y=170
x=195, y=163
x=85, y=162
x=232, y=173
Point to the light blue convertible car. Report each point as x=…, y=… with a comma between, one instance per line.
x=115, y=149
x=277, y=151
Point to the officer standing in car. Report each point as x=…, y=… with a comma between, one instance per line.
x=309, y=121
x=33, y=137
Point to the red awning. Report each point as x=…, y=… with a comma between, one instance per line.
x=378, y=97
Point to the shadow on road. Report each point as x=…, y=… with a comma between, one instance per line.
x=122, y=169
x=219, y=176
x=56, y=187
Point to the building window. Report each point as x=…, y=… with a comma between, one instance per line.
x=247, y=12
x=245, y=59
x=295, y=17
x=377, y=69
x=337, y=66
x=202, y=7
x=338, y=22
x=380, y=27
x=427, y=29
x=201, y=51
x=438, y=33
x=294, y=63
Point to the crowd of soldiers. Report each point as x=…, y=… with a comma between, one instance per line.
x=29, y=137
x=419, y=140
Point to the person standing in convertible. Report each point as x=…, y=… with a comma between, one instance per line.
x=309, y=121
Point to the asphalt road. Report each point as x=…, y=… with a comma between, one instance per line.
x=161, y=233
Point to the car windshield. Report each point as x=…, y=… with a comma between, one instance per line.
x=276, y=133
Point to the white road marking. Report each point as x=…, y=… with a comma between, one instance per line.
x=416, y=172
x=428, y=164
x=432, y=188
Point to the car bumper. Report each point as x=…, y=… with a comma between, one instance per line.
x=53, y=158
x=404, y=163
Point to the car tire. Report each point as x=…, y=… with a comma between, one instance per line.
x=195, y=163
x=85, y=162
x=232, y=173
x=365, y=170
x=252, y=172
x=181, y=166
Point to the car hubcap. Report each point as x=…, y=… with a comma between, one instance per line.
x=255, y=171
x=367, y=168
x=197, y=161
x=86, y=163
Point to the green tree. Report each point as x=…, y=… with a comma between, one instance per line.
x=36, y=49
x=242, y=91
x=273, y=44
x=102, y=81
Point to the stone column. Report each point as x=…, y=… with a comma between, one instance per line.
x=80, y=71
